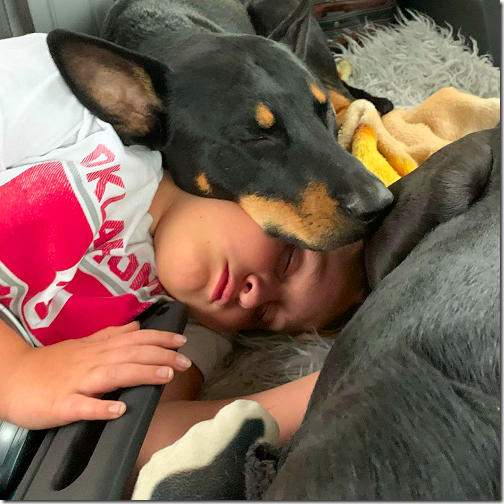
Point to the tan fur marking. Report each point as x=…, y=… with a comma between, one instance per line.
x=264, y=116
x=318, y=93
x=310, y=221
x=340, y=105
x=203, y=183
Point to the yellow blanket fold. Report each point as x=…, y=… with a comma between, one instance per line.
x=395, y=144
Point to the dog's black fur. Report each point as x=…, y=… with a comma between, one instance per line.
x=445, y=187
x=188, y=85
x=407, y=405
x=267, y=17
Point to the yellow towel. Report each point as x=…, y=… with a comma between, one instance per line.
x=395, y=144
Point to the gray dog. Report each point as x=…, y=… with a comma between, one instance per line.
x=407, y=405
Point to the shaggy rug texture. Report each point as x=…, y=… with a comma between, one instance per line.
x=406, y=63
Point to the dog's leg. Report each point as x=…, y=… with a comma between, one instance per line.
x=444, y=186
x=394, y=429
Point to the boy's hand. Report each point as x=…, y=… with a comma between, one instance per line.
x=62, y=383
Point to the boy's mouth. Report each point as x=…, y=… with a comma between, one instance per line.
x=218, y=293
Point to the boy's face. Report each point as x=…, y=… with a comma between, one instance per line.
x=213, y=257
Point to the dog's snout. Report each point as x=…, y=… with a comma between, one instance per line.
x=357, y=213
x=384, y=196
x=368, y=206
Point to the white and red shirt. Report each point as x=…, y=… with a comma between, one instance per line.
x=75, y=244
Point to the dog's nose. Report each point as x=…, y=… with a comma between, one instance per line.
x=366, y=207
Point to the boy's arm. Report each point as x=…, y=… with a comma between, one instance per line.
x=54, y=385
x=12, y=348
x=287, y=403
x=173, y=418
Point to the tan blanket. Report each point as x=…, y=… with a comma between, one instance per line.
x=395, y=144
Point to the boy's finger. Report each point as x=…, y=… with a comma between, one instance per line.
x=149, y=355
x=164, y=339
x=81, y=407
x=108, y=378
x=114, y=331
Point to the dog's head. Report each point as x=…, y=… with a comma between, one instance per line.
x=237, y=117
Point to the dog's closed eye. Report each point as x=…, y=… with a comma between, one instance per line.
x=265, y=140
x=259, y=138
x=270, y=144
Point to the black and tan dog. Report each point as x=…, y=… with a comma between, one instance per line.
x=236, y=115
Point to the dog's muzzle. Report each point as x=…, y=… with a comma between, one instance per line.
x=318, y=221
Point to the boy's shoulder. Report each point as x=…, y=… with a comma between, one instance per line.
x=41, y=120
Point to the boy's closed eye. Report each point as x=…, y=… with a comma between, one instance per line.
x=264, y=314
x=290, y=262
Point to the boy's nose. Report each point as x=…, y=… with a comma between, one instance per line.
x=253, y=292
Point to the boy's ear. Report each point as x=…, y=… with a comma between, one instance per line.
x=126, y=89
x=294, y=29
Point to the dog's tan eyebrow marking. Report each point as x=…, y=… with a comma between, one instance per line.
x=318, y=93
x=311, y=221
x=264, y=116
x=203, y=183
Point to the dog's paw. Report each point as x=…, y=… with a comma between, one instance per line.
x=383, y=105
x=208, y=462
x=261, y=467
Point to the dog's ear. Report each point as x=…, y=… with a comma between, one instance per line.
x=294, y=29
x=126, y=89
